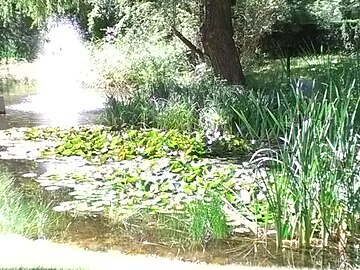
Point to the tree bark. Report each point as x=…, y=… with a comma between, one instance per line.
x=217, y=38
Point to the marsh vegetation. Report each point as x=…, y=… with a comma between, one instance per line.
x=185, y=153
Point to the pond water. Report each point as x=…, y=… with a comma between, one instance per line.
x=94, y=233
x=27, y=110
x=33, y=109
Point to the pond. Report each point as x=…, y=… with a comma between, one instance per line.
x=30, y=108
x=93, y=231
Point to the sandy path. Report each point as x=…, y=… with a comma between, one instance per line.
x=17, y=251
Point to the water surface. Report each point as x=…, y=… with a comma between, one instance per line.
x=28, y=109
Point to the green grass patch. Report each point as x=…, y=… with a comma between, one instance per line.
x=22, y=216
x=201, y=221
x=207, y=220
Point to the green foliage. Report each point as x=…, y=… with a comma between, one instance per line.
x=39, y=11
x=207, y=220
x=101, y=144
x=176, y=115
x=274, y=99
x=200, y=221
x=19, y=215
x=176, y=173
x=319, y=163
x=104, y=144
x=17, y=38
x=181, y=100
x=136, y=112
x=165, y=186
x=254, y=19
x=316, y=163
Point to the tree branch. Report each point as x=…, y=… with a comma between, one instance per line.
x=189, y=44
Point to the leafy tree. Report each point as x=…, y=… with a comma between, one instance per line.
x=216, y=28
x=38, y=10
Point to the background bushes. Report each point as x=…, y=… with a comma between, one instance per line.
x=18, y=39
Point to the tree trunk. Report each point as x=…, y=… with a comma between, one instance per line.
x=217, y=39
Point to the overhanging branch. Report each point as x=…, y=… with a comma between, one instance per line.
x=189, y=44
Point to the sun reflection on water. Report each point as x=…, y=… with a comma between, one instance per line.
x=61, y=68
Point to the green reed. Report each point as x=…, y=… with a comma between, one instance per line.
x=312, y=190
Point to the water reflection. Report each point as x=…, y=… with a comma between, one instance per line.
x=57, y=110
x=96, y=234
x=27, y=110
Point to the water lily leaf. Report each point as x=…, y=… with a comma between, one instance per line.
x=110, y=177
x=190, y=177
x=166, y=187
x=214, y=183
x=189, y=189
x=54, y=176
x=79, y=152
x=64, y=206
x=52, y=188
x=67, y=152
x=60, y=148
x=68, y=145
x=138, y=193
x=230, y=197
x=151, y=202
x=104, y=150
x=154, y=188
x=103, y=158
x=82, y=207
x=131, y=179
x=77, y=146
x=177, y=170
x=76, y=140
x=121, y=155
x=101, y=203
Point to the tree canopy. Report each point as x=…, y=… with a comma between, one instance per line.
x=250, y=26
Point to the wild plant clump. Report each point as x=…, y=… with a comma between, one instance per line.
x=21, y=216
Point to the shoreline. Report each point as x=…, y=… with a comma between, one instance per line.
x=19, y=252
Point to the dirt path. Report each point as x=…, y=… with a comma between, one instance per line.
x=17, y=251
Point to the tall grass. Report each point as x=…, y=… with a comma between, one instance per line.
x=207, y=220
x=21, y=216
x=185, y=103
x=314, y=189
x=197, y=223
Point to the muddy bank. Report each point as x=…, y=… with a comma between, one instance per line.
x=17, y=251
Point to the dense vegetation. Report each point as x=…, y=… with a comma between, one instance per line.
x=161, y=72
x=19, y=214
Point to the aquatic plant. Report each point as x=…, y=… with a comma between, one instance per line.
x=101, y=144
x=160, y=186
x=207, y=220
x=312, y=191
x=160, y=172
x=200, y=221
x=19, y=215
